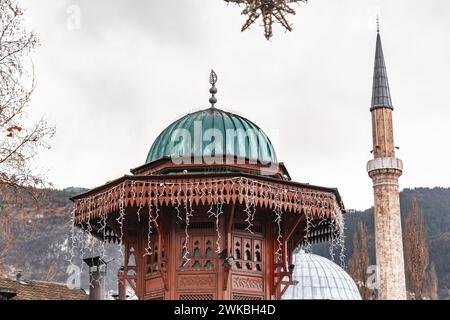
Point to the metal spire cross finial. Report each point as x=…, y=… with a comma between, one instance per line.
x=378, y=24
x=213, y=90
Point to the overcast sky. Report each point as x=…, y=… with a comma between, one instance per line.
x=112, y=85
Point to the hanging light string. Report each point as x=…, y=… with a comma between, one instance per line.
x=217, y=213
x=77, y=243
x=156, y=201
x=83, y=241
x=211, y=213
x=189, y=213
x=176, y=203
x=244, y=192
x=134, y=191
x=253, y=199
x=91, y=245
x=152, y=219
x=247, y=190
x=120, y=220
x=83, y=207
x=73, y=242
x=91, y=241
x=102, y=232
x=278, y=213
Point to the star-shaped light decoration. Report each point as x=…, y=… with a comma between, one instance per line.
x=268, y=10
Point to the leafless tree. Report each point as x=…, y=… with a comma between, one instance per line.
x=19, y=140
x=359, y=261
x=52, y=271
x=6, y=238
x=431, y=283
x=416, y=251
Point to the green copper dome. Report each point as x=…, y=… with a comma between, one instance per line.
x=212, y=133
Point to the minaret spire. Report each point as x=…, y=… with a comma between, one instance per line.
x=385, y=170
x=381, y=93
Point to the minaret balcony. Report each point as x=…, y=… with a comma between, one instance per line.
x=384, y=164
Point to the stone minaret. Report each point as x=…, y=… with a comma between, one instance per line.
x=385, y=171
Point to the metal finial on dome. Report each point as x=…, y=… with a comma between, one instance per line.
x=213, y=89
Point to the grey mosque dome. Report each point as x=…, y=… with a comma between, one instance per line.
x=320, y=279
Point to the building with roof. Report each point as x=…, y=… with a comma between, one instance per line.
x=211, y=214
x=19, y=289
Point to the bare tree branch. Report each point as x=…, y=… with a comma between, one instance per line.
x=19, y=143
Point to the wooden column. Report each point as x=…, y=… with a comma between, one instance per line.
x=229, y=251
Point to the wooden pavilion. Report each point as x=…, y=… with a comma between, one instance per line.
x=196, y=230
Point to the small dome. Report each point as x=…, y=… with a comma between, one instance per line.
x=229, y=134
x=320, y=279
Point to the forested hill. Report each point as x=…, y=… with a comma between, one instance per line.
x=39, y=235
x=435, y=206
x=35, y=236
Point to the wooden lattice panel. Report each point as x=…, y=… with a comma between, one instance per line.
x=242, y=297
x=155, y=295
x=198, y=296
x=197, y=254
x=248, y=254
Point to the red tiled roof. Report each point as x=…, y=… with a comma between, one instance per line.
x=42, y=290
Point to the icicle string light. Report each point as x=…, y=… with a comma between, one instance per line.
x=244, y=189
x=263, y=196
x=103, y=256
x=219, y=211
x=120, y=220
x=176, y=202
x=211, y=213
x=341, y=243
x=253, y=200
x=148, y=249
x=278, y=213
x=252, y=192
x=307, y=244
x=141, y=205
x=318, y=206
x=83, y=242
x=72, y=240
x=133, y=190
x=103, y=224
x=189, y=211
x=156, y=201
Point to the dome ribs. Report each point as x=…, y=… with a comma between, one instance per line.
x=236, y=145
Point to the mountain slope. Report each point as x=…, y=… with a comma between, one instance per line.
x=435, y=206
x=41, y=234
